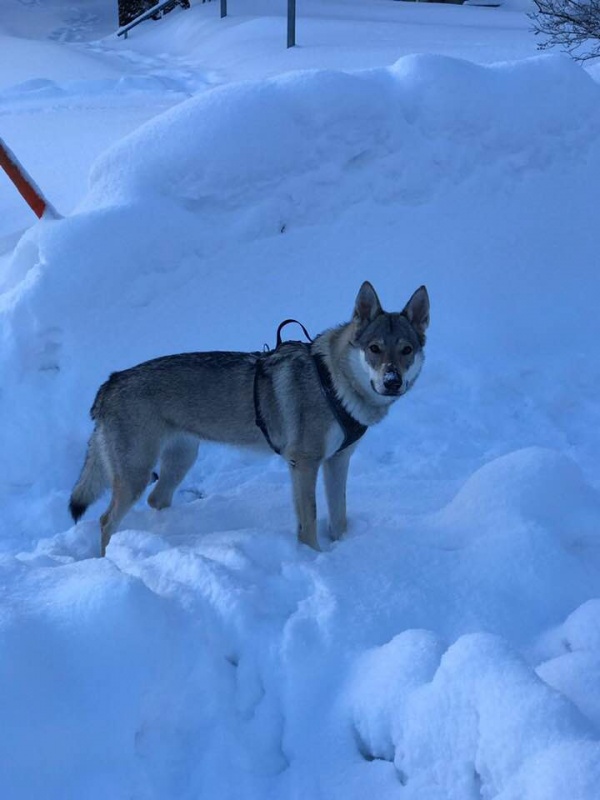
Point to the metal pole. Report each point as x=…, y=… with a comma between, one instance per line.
x=25, y=184
x=291, y=23
x=223, y=8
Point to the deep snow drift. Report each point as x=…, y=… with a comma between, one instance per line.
x=449, y=647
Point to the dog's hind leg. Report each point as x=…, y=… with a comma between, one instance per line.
x=125, y=493
x=131, y=459
x=335, y=475
x=177, y=457
x=304, y=482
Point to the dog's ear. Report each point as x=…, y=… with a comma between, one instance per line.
x=367, y=305
x=417, y=311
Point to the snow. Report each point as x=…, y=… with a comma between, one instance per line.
x=470, y=700
x=213, y=184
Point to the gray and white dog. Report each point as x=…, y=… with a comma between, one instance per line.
x=308, y=402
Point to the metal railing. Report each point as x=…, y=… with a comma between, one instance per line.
x=161, y=8
x=155, y=12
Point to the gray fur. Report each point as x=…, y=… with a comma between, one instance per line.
x=160, y=410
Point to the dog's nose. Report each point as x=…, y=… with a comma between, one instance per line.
x=392, y=382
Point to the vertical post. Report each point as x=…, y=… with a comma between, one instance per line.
x=223, y=8
x=291, y=23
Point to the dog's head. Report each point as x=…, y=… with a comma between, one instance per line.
x=389, y=346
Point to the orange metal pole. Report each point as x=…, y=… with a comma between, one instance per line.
x=30, y=192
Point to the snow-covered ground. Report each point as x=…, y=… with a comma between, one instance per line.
x=449, y=647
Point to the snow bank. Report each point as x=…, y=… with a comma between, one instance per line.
x=234, y=664
x=252, y=190
x=571, y=658
x=413, y=707
x=401, y=134
x=79, y=662
x=444, y=649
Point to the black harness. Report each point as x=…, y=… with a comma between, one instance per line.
x=351, y=427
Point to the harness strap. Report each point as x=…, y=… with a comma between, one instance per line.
x=258, y=416
x=352, y=428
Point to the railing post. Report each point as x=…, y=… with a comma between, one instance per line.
x=291, y=23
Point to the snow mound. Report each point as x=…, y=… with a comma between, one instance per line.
x=412, y=705
x=446, y=647
x=425, y=123
x=541, y=486
x=571, y=658
x=228, y=206
x=240, y=632
x=86, y=624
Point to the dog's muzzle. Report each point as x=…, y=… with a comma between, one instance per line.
x=392, y=383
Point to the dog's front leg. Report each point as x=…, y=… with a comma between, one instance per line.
x=335, y=474
x=304, y=482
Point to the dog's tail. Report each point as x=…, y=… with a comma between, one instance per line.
x=92, y=481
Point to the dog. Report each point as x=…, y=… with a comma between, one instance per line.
x=309, y=402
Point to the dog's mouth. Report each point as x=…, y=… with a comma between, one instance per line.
x=396, y=391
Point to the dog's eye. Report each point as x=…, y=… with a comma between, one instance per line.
x=406, y=351
x=374, y=348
